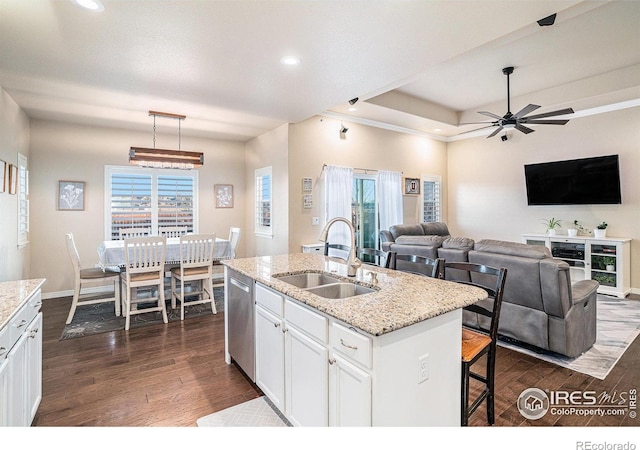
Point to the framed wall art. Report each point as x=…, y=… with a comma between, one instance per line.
x=224, y=195
x=412, y=186
x=13, y=179
x=307, y=184
x=3, y=176
x=71, y=195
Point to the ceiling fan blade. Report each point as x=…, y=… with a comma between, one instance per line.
x=548, y=122
x=471, y=131
x=490, y=114
x=524, y=129
x=526, y=110
x=477, y=123
x=559, y=112
x=498, y=130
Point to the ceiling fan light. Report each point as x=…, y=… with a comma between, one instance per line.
x=91, y=5
x=509, y=126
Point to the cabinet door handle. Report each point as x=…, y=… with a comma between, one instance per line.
x=34, y=333
x=352, y=347
x=37, y=305
x=332, y=361
x=3, y=350
x=21, y=324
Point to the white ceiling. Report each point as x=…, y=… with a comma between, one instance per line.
x=415, y=65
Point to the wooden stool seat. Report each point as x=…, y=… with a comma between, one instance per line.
x=96, y=272
x=473, y=344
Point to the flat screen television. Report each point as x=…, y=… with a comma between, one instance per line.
x=586, y=181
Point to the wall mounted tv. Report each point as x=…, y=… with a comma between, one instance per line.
x=586, y=181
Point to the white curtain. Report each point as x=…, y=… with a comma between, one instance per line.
x=389, y=198
x=338, y=193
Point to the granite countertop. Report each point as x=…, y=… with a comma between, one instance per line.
x=401, y=299
x=14, y=294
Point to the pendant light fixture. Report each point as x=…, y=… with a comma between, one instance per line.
x=162, y=158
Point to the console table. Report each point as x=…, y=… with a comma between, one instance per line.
x=605, y=260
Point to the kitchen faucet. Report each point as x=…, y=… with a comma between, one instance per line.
x=352, y=261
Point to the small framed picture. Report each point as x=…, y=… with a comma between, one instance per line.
x=71, y=195
x=307, y=184
x=224, y=195
x=307, y=201
x=412, y=186
x=3, y=176
x=13, y=179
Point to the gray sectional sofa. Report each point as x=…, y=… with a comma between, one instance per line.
x=541, y=307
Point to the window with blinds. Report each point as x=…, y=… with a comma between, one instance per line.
x=149, y=198
x=263, y=201
x=23, y=201
x=431, y=199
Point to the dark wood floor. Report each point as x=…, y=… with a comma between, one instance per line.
x=170, y=375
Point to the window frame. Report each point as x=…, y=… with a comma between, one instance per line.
x=260, y=229
x=433, y=179
x=110, y=170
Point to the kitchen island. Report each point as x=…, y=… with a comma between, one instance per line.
x=389, y=357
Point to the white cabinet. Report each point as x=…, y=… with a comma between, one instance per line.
x=270, y=355
x=306, y=379
x=605, y=260
x=21, y=366
x=319, y=371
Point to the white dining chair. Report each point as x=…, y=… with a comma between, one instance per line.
x=234, y=237
x=144, y=268
x=172, y=232
x=90, y=276
x=134, y=232
x=196, y=264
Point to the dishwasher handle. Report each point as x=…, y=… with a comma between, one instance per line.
x=240, y=284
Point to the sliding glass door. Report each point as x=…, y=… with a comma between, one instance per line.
x=364, y=211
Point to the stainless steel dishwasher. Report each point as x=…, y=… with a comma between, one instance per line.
x=241, y=322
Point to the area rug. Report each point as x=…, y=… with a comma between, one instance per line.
x=100, y=317
x=254, y=413
x=618, y=324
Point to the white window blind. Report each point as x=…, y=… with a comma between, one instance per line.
x=263, y=202
x=23, y=201
x=431, y=199
x=150, y=198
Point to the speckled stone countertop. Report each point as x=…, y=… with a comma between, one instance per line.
x=401, y=299
x=14, y=294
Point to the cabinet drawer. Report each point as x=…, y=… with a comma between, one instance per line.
x=351, y=343
x=5, y=344
x=20, y=321
x=306, y=320
x=269, y=299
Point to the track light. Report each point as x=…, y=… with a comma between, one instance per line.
x=343, y=129
x=353, y=101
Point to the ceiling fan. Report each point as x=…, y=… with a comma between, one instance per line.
x=519, y=119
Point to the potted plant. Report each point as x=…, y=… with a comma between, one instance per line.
x=601, y=230
x=577, y=228
x=609, y=263
x=551, y=225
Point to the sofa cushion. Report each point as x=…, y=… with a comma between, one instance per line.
x=513, y=249
x=439, y=228
x=406, y=230
x=461, y=243
x=434, y=241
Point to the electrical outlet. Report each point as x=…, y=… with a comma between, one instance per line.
x=423, y=368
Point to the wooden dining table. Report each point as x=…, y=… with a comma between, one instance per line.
x=111, y=253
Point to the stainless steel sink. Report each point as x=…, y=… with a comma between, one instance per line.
x=340, y=290
x=309, y=279
x=325, y=285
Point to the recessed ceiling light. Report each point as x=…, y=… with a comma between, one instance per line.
x=352, y=109
x=92, y=5
x=290, y=60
